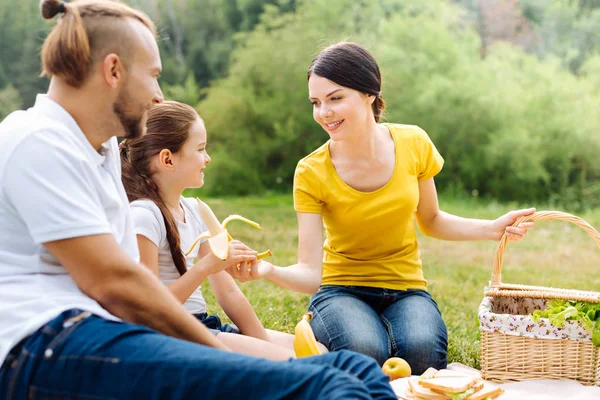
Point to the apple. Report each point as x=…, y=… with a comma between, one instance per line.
x=396, y=368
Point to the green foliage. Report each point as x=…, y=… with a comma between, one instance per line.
x=188, y=93
x=260, y=113
x=10, y=100
x=568, y=29
x=227, y=174
x=21, y=32
x=591, y=71
x=510, y=126
x=577, y=198
x=198, y=36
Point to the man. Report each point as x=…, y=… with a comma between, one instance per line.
x=79, y=317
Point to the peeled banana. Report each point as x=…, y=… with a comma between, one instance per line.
x=305, y=343
x=217, y=235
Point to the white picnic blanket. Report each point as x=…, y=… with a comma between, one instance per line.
x=529, y=390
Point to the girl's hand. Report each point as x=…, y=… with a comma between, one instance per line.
x=504, y=225
x=238, y=253
x=251, y=271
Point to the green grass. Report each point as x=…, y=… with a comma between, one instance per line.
x=555, y=254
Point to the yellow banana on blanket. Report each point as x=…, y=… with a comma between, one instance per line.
x=305, y=343
x=217, y=235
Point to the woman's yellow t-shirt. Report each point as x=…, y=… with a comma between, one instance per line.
x=370, y=236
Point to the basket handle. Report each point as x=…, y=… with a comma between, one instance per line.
x=538, y=216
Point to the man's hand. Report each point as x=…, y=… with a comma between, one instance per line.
x=128, y=290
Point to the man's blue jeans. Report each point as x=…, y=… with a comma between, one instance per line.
x=381, y=323
x=92, y=358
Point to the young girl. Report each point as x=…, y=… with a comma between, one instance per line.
x=366, y=185
x=156, y=168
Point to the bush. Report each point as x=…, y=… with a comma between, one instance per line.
x=226, y=175
x=509, y=126
x=10, y=100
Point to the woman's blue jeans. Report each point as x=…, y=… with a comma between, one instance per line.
x=381, y=323
x=88, y=358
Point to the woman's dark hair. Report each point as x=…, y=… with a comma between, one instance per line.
x=168, y=127
x=350, y=65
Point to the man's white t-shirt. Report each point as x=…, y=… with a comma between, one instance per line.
x=53, y=185
x=150, y=223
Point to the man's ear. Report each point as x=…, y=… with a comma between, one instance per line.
x=165, y=158
x=113, y=70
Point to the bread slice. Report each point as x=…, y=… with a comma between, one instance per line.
x=488, y=390
x=449, y=385
x=476, y=387
x=426, y=394
x=447, y=373
x=410, y=395
x=421, y=393
x=429, y=373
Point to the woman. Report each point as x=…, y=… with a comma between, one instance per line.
x=367, y=184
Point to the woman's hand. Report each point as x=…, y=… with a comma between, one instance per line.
x=504, y=225
x=251, y=271
x=238, y=253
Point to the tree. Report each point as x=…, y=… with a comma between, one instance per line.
x=259, y=116
x=510, y=126
x=22, y=30
x=566, y=28
x=197, y=36
x=10, y=101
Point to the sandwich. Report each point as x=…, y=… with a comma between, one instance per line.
x=487, y=392
x=451, y=385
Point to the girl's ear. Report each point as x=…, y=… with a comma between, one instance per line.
x=371, y=99
x=165, y=158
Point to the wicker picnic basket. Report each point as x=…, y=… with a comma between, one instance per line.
x=514, y=347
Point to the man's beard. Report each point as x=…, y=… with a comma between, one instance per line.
x=134, y=126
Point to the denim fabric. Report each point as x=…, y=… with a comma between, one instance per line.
x=381, y=323
x=81, y=356
x=214, y=324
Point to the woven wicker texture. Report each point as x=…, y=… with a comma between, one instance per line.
x=499, y=289
x=506, y=358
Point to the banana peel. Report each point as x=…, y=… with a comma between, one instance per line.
x=305, y=343
x=217, y=235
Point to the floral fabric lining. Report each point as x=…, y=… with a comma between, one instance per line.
x=513, y=317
